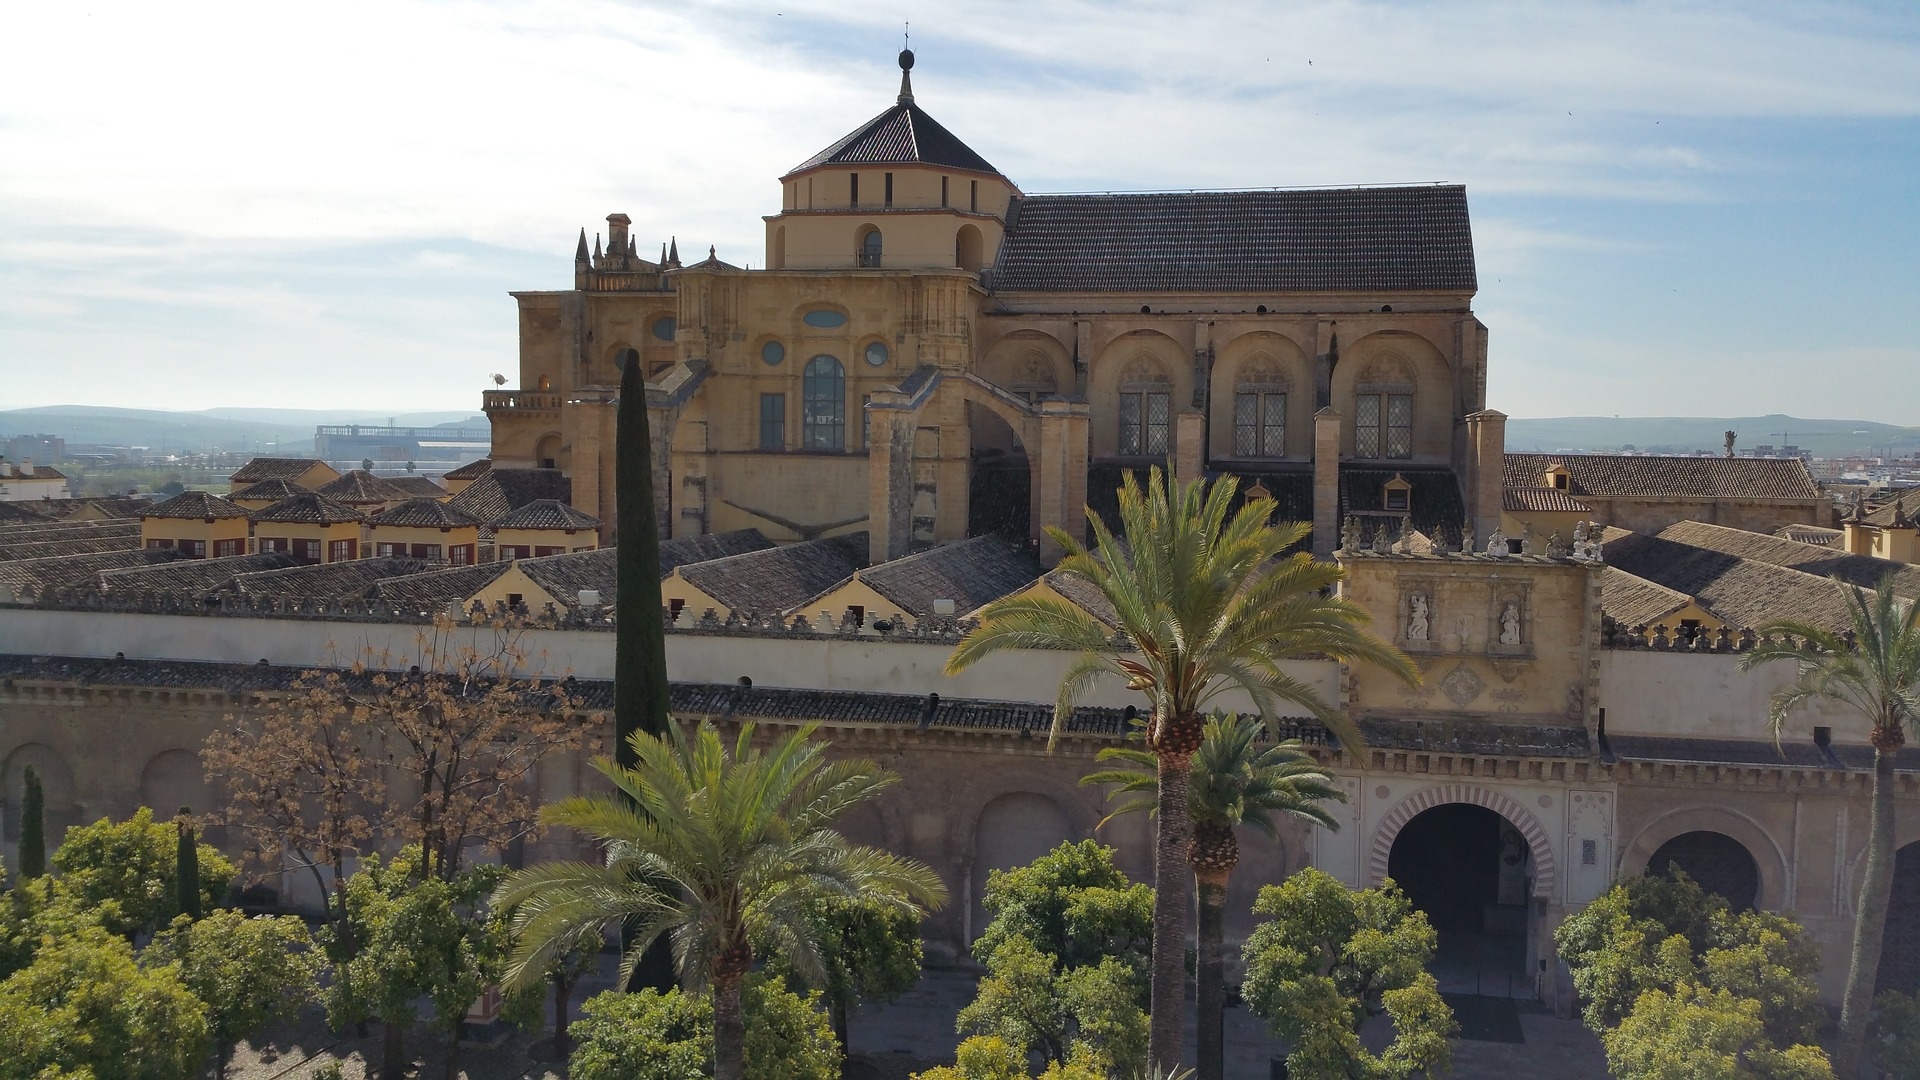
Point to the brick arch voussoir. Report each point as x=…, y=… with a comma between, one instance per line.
x=1545, y=866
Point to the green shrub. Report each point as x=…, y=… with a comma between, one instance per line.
x=653, y=1036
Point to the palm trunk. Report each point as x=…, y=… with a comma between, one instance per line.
x=1167, y=997
x=562, y=1041
x=729, y=1029
x=1876, y=890
x=1210, y=994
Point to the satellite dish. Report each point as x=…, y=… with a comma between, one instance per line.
x=499, y=380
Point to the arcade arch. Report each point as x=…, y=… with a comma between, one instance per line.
x=1138, y=385
x=1770, y=863
x=1013, y=830
x=56, y=788
x=1261, y=399
x=1395, y=391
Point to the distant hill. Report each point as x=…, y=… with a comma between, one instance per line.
x=283, y=431
x=1690, y=434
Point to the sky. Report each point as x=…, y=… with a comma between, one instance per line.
x=1705, y=209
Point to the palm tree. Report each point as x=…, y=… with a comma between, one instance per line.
x=1234, y=782
x=1877, y=674
x=712, y=849
x=1211, y=604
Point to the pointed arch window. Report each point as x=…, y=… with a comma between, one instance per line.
x=1145, y=409
x=1260, y=413
x=823, y=420
x=1383, y=422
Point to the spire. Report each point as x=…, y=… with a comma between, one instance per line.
x=663, y=254
x=580, y=253
x=673, y=252
x=906, y=76
x=633, y=248
x=596, y=249
x=711, y=253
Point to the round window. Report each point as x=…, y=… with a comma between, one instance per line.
x=824, y=319
x=773, y=352
x=877, y=354
x=664, y=328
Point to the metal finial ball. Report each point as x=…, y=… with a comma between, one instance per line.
x=906, y=59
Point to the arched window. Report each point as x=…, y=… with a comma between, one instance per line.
x=823, y=419
x=1144, y=409
x=1260, y=412
x=870, y=248
x=1716, y=862
x=1383, y=410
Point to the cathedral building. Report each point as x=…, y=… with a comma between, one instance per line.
x=928, y=353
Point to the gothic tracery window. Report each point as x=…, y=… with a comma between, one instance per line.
x=823, y=420
x=1145, y=409
x=1383, y=423
x=1260, y=412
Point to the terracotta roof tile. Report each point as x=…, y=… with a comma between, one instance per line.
x=272, y=490
x=424, y=513
x=64, y=570
x=1635, y=601
x=1385, y=239
x=1738, y=591
x=1818, y=535
x=692, y=549
x=193, y=577
x=432, y=591
x=361, y=488
x=416, y=486
x=501, y=490
x=970, y=573
x=1907, y=502
x=778, y=579
x=1618, y=475
x=273, y=468
x=1541, y=500
x=546, y=514
x=1862, y=570
x=195, y=504
x=348, y=579
x=310, y=508
x=472, y=470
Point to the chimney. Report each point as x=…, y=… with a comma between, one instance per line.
x=617, y=234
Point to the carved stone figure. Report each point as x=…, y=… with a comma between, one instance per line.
x=1417, y=628
x=1526, y=539
x=1466, y=537
x=1497, y=543
x=1556, y=547
x=1510, y=624
x=1350, y=535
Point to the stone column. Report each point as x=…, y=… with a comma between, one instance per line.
x=1486, y=483
x=1326, y=482
x=1189, y=444
x=1060, y=474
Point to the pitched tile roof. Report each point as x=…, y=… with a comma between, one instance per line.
x=1862, y=570
x=1081, y=593
x=431, y=591
x=272, y=468
x=1615, y=475
x=1541, y=500
x=546, y=514
x=563, y=576
x=1635, y=601
x=470, y=471
x=347, y=579
x=195, y=504
x=901, y=135
x=692, y=549
x=311, y=508
x=424, y=513
x=1385, y=239
x=70, y=544
x=1737, y=591
x=193, y=576
x=1907, y=502
x=63, y=570
x=1818, y=535
x=272, y=490
x=361, y=488
x=501, y=490
x=970, y=573
x=778, y=579
x=416, y=485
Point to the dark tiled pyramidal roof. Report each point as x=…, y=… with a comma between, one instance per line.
x=546, y=514
x=61, y=570
x=273, y=468
x=349, y=578
x=271, y=490
x=311, y=508
x=902, y=135
x=1336, y=239
x=425, y=513
x=1608, y=475
x=563, y=576
x=416, y=485
x=500, y=490
x=970, y=573
x=1862, y=570
x=431, y=591
x=362, y=487
x=195, y=504
x=472, y=470
x=194, y=577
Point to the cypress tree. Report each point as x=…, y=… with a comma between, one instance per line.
x=186, y=866
x=33, y=827
x=640, y=644
x=640, y=637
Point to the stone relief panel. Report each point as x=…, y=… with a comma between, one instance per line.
x=1589, y=845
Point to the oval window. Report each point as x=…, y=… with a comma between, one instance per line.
x=877, y=354
x=773, y=352
x=664, y=328
x=824, y=319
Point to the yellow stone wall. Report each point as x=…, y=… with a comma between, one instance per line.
x=211, y=532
